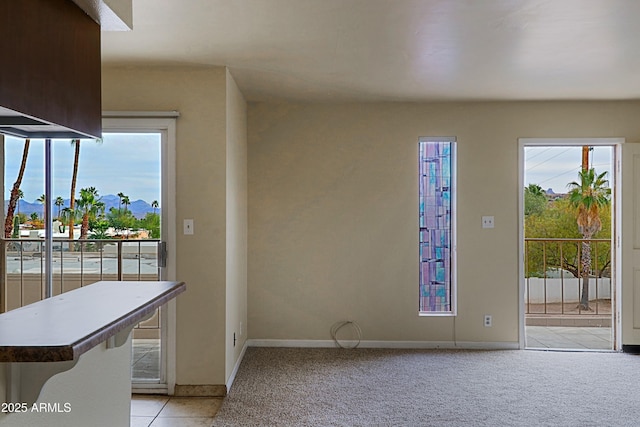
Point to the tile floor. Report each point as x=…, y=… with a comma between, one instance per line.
x=145, y=359
x=564, y=337
x=165, y=411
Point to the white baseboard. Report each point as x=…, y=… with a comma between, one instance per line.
x=468, y=345
x=232, y=377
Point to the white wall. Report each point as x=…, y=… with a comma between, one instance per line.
x=539, y=290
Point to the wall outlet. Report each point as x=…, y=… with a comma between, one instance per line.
x=487, y=222
x=488, y=321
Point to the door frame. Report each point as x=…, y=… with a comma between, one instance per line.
x=616, y=143
x=165, y=123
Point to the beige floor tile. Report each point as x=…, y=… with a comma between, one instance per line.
x=147, y=406
x=191, y=407
x=182, y=422
x=141, y=421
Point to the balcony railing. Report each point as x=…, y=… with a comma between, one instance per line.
x=553, y=277
x=76, y=263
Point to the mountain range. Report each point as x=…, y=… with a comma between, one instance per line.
x=139, y=207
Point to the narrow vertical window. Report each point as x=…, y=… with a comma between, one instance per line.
x=436, y=216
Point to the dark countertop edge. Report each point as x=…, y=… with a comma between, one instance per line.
x=20, y=354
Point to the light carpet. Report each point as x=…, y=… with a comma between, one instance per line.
x=380, y=387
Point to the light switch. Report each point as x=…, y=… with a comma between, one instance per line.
x=188, y=226
x=487, y=222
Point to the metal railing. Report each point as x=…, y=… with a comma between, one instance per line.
x=554, y=276
x=76, y=263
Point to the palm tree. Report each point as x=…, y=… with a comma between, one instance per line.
x=588, y=197
x=89, y=206
x=43, y=199
x=125, y=202
x=74, y=178
x=535, y=190
x=59, y=202
x=20, y=197
x=64, y=218
x=535, y=199
x=120, y=197
x=15, y=192
x=155, y=206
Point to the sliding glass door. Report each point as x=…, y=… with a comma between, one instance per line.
x=103, y=213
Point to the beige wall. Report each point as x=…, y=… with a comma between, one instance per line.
x=631, y=244
x=236, y=305
x=333, y=213
x=201, y=183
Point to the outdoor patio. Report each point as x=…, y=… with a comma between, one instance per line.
x=567, y=337
x=145, y=360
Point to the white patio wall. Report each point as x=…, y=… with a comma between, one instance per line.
x=535, y=289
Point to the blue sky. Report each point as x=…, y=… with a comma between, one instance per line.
x=128, y=163
x=555, y=167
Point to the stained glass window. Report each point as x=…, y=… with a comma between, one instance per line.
x=436, y=211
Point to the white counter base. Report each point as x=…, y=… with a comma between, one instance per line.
x=96, y=392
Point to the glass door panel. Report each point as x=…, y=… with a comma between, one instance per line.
x=106, y=208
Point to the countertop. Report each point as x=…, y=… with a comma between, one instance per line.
x=63, y=327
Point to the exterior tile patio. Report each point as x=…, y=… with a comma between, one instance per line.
x=566, y=337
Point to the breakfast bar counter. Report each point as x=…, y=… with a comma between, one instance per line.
x=66, y=360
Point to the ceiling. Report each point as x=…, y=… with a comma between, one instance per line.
x=395, y=50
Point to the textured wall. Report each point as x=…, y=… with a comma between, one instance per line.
x=201, y=149
x=333, y=213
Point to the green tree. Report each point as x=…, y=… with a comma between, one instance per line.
x=22, y=218
x=125, y=202
x=89, y=206
x=15, y=192
x=20, y=197
x=120, y=197
x=151, y=223
x=42, y=200
x=65, y=215
x=588, y=197
x=558, y=221
x=155, y=205
x=98, y=228
x=74, y=179
x=121, y=220
x=59, y=202
x=16, y=228
x=535, y=199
